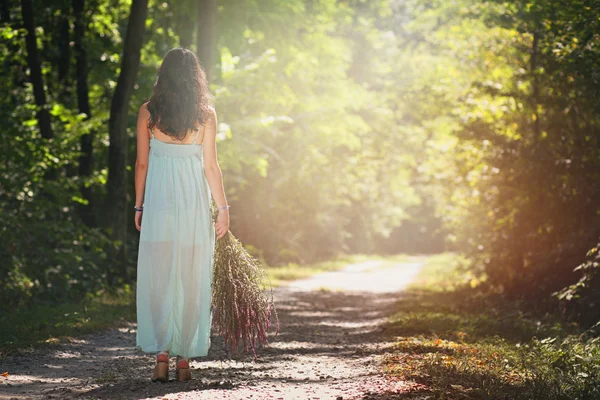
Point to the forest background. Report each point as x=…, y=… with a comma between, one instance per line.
x=345, y=127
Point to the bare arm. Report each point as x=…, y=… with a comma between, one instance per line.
x=141, y=162
x=212, y=171
x=214, y=176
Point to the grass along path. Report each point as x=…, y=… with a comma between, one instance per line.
x=460, y=343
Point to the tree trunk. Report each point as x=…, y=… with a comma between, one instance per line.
x=117, y=157
x=4, y=11
x=34, y=63
x=83, y=101
x=64, y=59
x=535, y=83
x=206, y=38
x=184, y=26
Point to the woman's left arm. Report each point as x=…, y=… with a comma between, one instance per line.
x=214, y=176
x=141, y=162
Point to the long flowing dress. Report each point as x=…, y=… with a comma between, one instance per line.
x=176, y=248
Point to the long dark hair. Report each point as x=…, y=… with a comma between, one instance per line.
x=181, y=98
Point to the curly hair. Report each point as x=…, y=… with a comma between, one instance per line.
x=180, y=97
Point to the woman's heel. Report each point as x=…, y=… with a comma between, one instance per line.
x=161, y=369
x=182, y=371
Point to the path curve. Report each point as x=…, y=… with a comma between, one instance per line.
x=330, y=347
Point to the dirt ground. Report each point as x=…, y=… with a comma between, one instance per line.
x=330, y=346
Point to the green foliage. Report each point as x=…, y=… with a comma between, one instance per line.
x=513, y=89
x=47, y=253
x=306, y=137
x=45, y=324
x=580, y=298
x=468, y=343
x=305, y=128
x=344, y=127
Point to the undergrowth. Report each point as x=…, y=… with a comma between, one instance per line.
x=462, y=342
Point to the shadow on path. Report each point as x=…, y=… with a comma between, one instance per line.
x=330, y=345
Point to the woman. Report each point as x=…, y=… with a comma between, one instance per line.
x=176, y=172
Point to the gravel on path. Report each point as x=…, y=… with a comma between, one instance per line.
x=330, y=346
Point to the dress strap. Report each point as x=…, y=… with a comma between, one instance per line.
x=196, y=137
x=152, y=133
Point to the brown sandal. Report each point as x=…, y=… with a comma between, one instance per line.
x=161, y=369
x=182, y=370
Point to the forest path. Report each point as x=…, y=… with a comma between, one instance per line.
x=330, y=346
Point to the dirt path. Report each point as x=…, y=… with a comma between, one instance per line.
x=329, y=347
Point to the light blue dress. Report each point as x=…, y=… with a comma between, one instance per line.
x=176, y=248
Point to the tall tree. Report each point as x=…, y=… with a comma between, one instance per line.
x=34, y=63
x=4, y=11
x=185, y=22
x=64, y=60
x=83, y=102
x=117, y=126
x=206, y=38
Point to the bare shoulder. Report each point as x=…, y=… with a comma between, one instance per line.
x=143, y=121
x=212, y=115
x=144, y=110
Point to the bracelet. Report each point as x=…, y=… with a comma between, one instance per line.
x=138, y=209
x=225, y=207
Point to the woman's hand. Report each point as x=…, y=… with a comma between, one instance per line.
x=138, y=220
x=222, y=223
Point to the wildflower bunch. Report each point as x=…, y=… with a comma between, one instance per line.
x=242, y=296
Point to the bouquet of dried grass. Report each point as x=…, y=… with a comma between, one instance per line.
x=242, y=296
